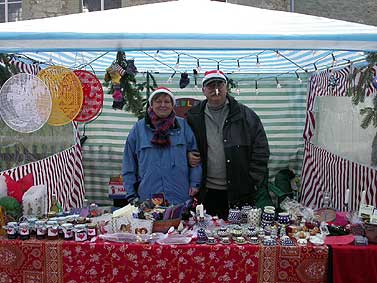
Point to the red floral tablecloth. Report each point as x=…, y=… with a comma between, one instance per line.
x=34, y=261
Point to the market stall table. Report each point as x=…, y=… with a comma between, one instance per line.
x=67, y=261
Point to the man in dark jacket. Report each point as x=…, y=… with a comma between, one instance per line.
x=233, y=147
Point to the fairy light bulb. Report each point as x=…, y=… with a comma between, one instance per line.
x=198, y=68
x=298, y=77
x=277, y=54
x=238, y=65
x=278, y=85
x=333, y=59
x=256, y=88
x=177, y=63
x=258, y=63
x=238, y=89
x=157, y=54
x=171, y=78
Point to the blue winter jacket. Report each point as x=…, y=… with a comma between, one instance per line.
x=160, y=169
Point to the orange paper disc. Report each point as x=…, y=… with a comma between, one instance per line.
x=93, y=96
x=66, y=93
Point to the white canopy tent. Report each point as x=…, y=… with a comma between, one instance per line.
x=207, y=33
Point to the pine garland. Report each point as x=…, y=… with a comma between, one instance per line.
x=358, y=90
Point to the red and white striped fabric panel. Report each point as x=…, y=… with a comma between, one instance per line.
x=31, y=69
x=319, y=86
x=325, y=171
x=62, y=173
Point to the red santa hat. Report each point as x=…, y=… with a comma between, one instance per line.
x=159, y=90
x=214, y=75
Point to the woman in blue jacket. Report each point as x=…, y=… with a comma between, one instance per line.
x=155, y=155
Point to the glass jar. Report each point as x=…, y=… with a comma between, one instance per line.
x=41, y=229
x=24, y=231
x=81, y=233
x=92, y=230
x=12, y=228
x=52, y=230
x=67, y=229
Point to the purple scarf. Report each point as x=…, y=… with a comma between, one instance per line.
x=162, y=125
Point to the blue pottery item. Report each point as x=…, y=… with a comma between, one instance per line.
x=245, y=213
x=222, y=232
x=283, y=218
x=201, y=236
x=234, y=216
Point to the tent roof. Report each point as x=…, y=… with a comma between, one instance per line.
x=207, y=30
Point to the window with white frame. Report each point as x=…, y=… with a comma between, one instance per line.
x=98, y=5
x=10, y=10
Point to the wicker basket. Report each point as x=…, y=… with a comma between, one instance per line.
x=164, y=225
x=371, y=232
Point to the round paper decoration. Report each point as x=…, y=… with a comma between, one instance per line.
x=93, y=96
x=66, y=94
x=25, y=103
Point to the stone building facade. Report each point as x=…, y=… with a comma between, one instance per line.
x=355, y=11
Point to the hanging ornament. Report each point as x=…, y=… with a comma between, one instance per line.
x=333, y=81
x=93, y=96
x=184, y=81
x=374, y=82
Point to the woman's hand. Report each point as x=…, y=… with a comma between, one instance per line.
x=194, y=158
x=193, y=191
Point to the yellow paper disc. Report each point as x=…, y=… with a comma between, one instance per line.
x=66, y=93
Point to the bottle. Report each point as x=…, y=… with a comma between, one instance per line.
x=55, y=205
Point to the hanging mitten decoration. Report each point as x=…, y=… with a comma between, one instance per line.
x=184, y=81
x=195, y=77
x=131, y=68
x=115, y=73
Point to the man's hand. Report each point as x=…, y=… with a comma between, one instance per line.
x=194, y=158
x=193, y=191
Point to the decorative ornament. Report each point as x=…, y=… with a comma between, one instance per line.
x=25, y=103
x=184, y=81
x=333, y=81
x=93, y=96
x=66, y=92
x=115, y=73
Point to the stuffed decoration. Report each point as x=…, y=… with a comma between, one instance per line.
x=3, y=187
x=34, y=201
x=115, y=73
x=16, y=189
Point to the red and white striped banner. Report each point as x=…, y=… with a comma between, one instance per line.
x=324, y=171
x=62, y=173
x=32, y=69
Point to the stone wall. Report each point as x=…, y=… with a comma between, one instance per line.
x=36, y=9
x=364, y=11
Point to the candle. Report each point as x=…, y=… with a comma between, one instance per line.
x=347, y=196
x=362, y=201
x=200, y=210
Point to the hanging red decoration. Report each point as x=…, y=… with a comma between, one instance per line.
x=93, y=96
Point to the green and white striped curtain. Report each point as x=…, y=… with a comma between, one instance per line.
x=282, y=111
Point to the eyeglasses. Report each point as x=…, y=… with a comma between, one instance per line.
x=215, y=84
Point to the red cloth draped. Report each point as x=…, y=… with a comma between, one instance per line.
x=354, y=264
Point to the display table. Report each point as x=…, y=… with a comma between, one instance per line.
x=35, y=261
x=354, y=264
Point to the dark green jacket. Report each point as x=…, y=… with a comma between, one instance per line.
x=246, y=150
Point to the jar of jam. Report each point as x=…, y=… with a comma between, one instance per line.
x=12, y=228
x=81, y=233
x=92, y=230
x=24, y=231
x=41, y=230
x=52, y=230
x=67, y=229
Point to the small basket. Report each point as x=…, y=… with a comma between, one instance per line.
x=164, y=225
x=371, y=232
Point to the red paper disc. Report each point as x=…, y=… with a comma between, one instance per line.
x=93, y=96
